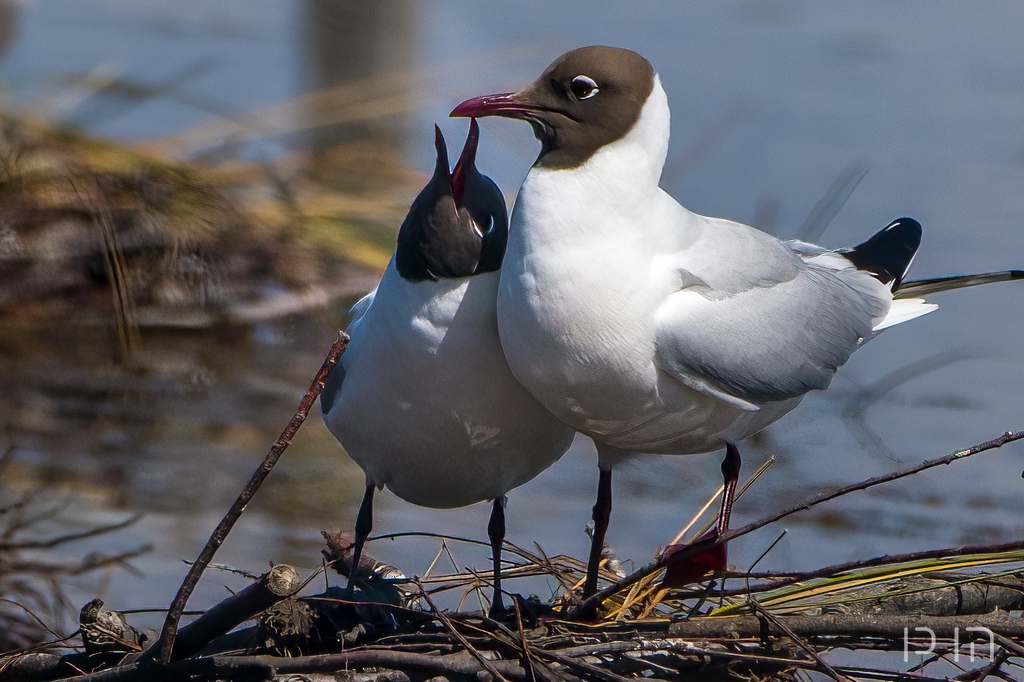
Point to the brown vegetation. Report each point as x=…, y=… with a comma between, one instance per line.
x=87, y=228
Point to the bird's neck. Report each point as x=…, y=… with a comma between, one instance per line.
x=619, y=179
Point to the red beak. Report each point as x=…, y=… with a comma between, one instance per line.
x=508, y=104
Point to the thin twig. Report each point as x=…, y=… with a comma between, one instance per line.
x=32, y=615
x=697, y=547
x=527, y=658
x=458, y=635
x=558, y=657
x=825, y=667
x=440, y=551
x=1010, y=645
x=986, y=670
x=69, y=537
x=162, y=650
x=765, y=552
x=513, y=641
x=868, y=673
x=583, y=666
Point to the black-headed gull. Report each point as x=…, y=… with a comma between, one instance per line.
x=650, y=328
x=423, y=399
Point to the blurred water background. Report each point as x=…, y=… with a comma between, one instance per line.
x=773, y=102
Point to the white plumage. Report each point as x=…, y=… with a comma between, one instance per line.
x=429, y=407
x=422, y=398
x=657, y=330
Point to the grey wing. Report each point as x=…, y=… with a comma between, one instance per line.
x=335, y=380
x=770, y=342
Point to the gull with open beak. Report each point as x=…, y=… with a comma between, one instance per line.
x=423, y=399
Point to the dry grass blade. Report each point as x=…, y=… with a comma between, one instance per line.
x=839, y=589
x=739, y=493
x=646, y=591
x=805, y=594
x=696, y=517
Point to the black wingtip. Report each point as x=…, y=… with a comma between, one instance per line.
x=887, y=255
x=923, y=287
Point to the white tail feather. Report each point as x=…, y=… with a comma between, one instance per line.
x=903, y=310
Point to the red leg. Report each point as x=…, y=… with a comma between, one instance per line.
x=693, y=568
x=731, y=474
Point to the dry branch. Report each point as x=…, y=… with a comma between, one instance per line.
x=32, y=586
x=277, y=584
x=69, y=537
x=262, y=667
x=32, y=667
x=163, y=648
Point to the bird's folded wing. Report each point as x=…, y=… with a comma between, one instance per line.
x=769, y=342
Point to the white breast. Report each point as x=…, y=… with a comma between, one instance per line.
x=429, y=407
x=592, y=254
x=576, y=321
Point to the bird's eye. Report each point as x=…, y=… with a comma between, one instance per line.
x=583, y=87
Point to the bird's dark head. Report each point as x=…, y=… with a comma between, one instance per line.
x=458, y=224
x=585, y=99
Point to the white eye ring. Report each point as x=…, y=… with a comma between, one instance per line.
x=583, y=87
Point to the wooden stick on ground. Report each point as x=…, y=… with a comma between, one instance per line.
x=274, y=586
x=161, y=651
